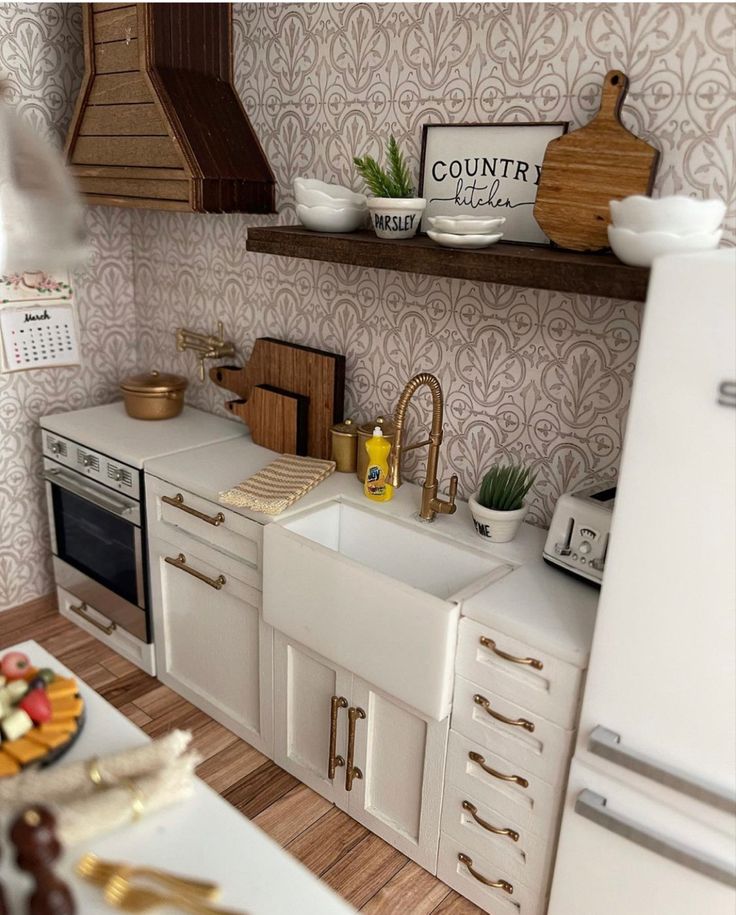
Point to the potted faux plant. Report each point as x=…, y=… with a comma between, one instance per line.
x=498, y=508
x=395, y=211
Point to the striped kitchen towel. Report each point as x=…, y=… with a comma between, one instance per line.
x=280, y=484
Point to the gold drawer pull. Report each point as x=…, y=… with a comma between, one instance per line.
x=517, y=779
x=81, y=610
x=496, y=830
x=352, y=771
x=496, y=884
x=516, y=722
x=181, y=563
x=336, y=703
x=178, y=502
x=531, y=662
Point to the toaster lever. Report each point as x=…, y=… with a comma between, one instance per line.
x=562, y=550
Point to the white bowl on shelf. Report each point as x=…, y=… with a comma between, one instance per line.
x=452, y=240
x=331, y=219
x=676, y=215
x=466, y=225
x=638, y=249
x=314, y=193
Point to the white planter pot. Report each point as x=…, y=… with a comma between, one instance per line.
x=396, y=217
x=496, y=526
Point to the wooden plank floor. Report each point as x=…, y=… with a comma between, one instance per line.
x=371, y=874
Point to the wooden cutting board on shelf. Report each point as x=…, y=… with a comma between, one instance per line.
x=293, y=369
x=585, y=169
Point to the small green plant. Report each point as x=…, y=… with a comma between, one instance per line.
x=504, y=488
x=396, y=182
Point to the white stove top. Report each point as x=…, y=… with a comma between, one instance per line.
x=109, y=430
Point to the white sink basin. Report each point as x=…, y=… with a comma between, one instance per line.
x=374, y=594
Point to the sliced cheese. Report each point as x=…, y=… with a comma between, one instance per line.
x=8, y=765
x=62, y=687
x=48, y=741
x=64, y=726
x=24, y=750
x=66, y=707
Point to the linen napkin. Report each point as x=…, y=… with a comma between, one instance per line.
x=280, y=484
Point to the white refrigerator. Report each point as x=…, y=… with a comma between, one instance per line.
x=649, y=823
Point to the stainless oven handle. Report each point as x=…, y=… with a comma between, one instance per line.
x=127, y=510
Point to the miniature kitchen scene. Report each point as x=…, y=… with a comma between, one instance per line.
x=358, y=364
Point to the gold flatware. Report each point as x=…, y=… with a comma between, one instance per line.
x=122, y=894
x=97, y=871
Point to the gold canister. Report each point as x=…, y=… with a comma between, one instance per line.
x=344, y=439
x=364, y=433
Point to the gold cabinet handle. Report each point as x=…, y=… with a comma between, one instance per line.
x=496, y=830
x=178, y=502
x=515, y=722
x=530, y=662
x=496, y=884
x=181, y=563
x=81, y=610
x=336, y=703
x=352, y=771
x=517, y=779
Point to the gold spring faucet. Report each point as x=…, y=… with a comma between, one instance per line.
x=431, y=504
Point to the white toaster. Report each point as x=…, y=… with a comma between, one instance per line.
x=578, y=535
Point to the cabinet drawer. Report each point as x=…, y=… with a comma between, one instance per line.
x=469, y=820
x=552, y=690
x=521, y=901
x=528, y=800
x=524, y=737
x=203, y=520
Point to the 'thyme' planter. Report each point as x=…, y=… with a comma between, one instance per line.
x=496, y=526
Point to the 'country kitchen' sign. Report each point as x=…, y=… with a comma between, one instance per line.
x=486, y=170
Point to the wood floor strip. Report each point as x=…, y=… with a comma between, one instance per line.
x=323, y=844
x=296, y=811
x=229, y=766
x=368, y=864
x=260, y=789
x=411, y=891
x=455, y=904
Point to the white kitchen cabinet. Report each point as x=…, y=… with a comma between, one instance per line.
x=388, y=777
x=212, y=647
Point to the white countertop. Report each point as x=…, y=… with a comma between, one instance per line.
x=533, y=603
x=203, y=836
x=110, y=430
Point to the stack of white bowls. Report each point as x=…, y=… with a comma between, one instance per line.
x=329, y=207
x=465, y=231
x=643, y=228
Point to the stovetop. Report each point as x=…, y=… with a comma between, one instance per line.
x=109, y=430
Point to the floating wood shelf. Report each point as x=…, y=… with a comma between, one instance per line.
x=507, y=263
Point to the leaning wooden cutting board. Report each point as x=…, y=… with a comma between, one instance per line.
x=585, y=169
x=297, y=369
x=277, y=419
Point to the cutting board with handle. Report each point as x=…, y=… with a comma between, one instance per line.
x=295, y=369
x=277, y=419
x=585, y=169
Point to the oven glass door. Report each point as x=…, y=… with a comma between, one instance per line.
x=97, y=542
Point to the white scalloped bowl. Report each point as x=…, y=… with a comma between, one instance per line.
x=314, y=193
x=331, y=219
x=676, y=215
x=466, y=225
x=638, y=249
x=454, y=240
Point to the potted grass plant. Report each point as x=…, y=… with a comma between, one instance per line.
x=395, y=211
x=499, y=506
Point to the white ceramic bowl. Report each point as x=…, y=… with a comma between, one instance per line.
x=313, y=193
x=677, y=215
x=396, y=217
x=466, y=225
x=638, y=249
x=451, y=240
x=331, y=219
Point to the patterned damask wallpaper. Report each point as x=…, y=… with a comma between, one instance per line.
x=40, y=67
x=546, y=376
x=539, y=375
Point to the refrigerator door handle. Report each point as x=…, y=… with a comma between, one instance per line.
x=607, y=744
x=592, y=807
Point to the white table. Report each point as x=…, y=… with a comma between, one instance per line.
x=203, y=836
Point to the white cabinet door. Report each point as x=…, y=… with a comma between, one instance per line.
x=211, y=645
x=306, y=689
x=401, y=758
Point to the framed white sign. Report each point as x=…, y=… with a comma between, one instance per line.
x=486, y=170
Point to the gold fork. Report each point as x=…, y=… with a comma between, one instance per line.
x=121, y=894
x=99, y=872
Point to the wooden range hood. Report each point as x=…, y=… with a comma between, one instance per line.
x=158, y=123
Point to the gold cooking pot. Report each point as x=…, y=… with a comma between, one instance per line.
x=153, y=395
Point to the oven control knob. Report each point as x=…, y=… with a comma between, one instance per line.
x=87, y=460
x=117, y=474
x=584, y=548
x=55, y=447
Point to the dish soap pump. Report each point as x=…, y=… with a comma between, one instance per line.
x=376, y=485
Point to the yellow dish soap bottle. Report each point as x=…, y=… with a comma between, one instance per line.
x=376, y=485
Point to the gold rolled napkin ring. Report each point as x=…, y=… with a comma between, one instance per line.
x=93, y=771
x=137, y=798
